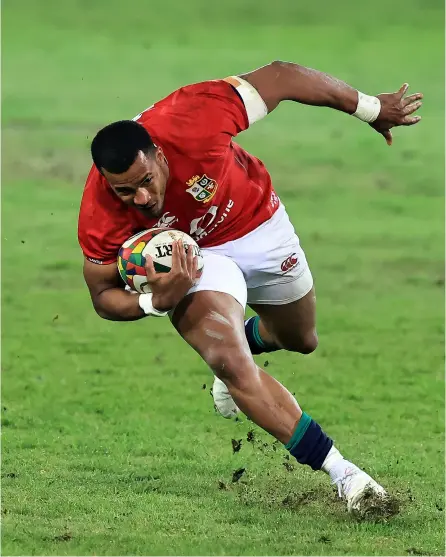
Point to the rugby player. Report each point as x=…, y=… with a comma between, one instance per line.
x=176, y=165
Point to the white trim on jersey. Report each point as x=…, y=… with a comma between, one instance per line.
x=255, y=106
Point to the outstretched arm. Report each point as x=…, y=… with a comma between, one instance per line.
x=280, y=81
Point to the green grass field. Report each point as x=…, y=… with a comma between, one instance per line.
x=110, y=442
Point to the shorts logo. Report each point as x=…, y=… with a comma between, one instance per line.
x=202, y=189
x=290, y=262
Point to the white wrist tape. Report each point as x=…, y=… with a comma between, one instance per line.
x=145, y=303
x=368, y=108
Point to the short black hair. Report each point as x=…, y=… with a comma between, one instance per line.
x=116, y=146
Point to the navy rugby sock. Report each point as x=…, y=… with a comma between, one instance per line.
x=309, y=444
x=256, y=344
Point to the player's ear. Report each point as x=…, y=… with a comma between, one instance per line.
x=159, y=154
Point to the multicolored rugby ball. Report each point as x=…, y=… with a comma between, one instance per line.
x=156, y=242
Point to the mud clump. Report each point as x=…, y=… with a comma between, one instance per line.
x=377, y=508
x=237, y=474
x=236, y=445
x=288, y=466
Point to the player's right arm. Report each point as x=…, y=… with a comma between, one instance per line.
x=108, y=296
x=112, y=302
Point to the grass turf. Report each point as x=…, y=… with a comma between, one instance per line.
x=110, y=442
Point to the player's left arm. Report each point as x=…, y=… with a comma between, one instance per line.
x=280, y=81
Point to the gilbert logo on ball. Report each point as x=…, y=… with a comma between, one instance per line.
x=156, y=242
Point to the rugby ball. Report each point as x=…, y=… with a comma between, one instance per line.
x=156, y=242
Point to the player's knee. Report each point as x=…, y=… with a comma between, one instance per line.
x=230, y=363
x=304, y=344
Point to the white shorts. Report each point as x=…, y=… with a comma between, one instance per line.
x=267, y=266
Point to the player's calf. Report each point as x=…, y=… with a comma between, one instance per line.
x=256, y=394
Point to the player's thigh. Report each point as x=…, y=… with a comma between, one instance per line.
x=211, y=316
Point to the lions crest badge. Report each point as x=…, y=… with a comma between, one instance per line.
x=202, y=188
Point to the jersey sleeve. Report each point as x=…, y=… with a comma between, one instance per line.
x=202, y=119
x=103, y=225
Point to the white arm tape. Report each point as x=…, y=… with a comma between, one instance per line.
x=255, y=106
x=145, y=303
x=368, y=108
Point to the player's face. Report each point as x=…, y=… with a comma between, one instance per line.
x=143, y=185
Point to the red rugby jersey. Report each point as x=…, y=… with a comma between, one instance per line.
x=216, y=191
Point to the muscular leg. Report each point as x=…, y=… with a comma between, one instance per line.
x=212, y=323
x=291, y=326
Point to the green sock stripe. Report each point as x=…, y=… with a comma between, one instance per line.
x=299, y=432
x=256, y=332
